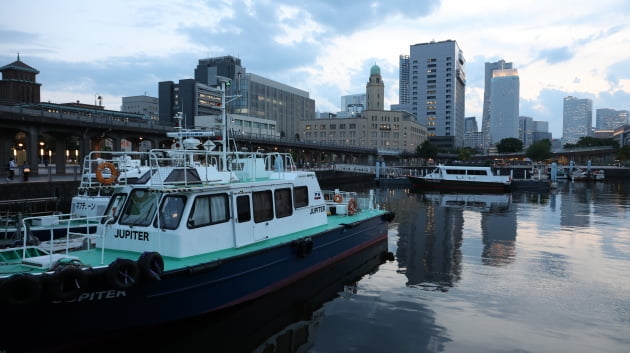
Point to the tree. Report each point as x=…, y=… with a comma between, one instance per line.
x=589, y=141
x=539, y=150
x=624, y=153
x=510, y=144
x=426, y=150
x=464, y=153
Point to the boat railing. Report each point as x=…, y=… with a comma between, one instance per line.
x=79, y=234
x=102, y=169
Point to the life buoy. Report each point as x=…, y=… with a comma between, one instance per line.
x=122, y=274
x=67, y=283
x=21, y=289
x=304, y=247
x=337, y=198
x=112, y=170
x=352, y=206
x=151, y=265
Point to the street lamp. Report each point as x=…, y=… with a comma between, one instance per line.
x=41, y=150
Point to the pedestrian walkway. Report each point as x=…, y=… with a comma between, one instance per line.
x=18, y=179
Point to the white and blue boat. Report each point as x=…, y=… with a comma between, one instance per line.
x=208, y=230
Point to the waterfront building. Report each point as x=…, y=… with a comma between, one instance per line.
x=437, y=83
x=487, y=95
x=145, y=105
x=610, y=119
x=577, y=119
x=375, y=127
x=19, y=84
x=504, y=98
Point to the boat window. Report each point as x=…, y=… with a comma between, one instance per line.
x=456, y=171
x=171, y=211
x=140, y=209
x=300, y=196
x=477, y=172
x=209, y=209
x=263, y=206
x=113, y=208
x=283, y=202
x=242, y=208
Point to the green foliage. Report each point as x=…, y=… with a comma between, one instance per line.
x=624, y=153
x=510, y=144
x=539, y=150
x=464, y=153
x=426, y=150
x=589, y=141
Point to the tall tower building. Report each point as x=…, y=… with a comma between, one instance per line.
x=609, y=119
x=504, y=112
x=577, y=119
x=437, y=84
x=375, y=90
x=487, y=91
x=403, y=81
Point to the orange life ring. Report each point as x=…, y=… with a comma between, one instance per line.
x=352, y=206
x=337, y=198
x=112, y=170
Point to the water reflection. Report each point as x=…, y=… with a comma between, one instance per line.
x=285, y=321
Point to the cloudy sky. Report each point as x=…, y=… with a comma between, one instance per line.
x=124, y=48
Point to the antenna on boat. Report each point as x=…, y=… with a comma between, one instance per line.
x=224, y=83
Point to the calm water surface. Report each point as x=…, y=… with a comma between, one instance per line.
x=521, y=272
x=525, y=272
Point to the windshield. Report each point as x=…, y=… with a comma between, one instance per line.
x=140, y=209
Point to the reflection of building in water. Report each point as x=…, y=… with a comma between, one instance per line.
x=577, y=200
x=499, y=237
x=429, y=245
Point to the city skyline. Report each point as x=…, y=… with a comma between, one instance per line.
x=125, y=49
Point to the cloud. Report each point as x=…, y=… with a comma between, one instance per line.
x=556, y=55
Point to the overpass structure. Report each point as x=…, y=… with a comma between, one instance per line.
x=53, y=138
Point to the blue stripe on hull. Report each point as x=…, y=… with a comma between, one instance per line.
x=185, y=293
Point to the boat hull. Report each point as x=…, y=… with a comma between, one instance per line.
x=192, y=290
x=422, y=183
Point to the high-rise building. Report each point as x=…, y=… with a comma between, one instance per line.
x=577, y=119
x=487, y=90
x=251, y=95
x=530, y=130
x=470, y=124
x=353, y=103
x=403, y=82
x=504, y=98
x=610, y=119
x=437, y=83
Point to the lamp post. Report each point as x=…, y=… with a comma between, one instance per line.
x=41, y=150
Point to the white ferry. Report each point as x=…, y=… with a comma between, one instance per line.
x=462, y=178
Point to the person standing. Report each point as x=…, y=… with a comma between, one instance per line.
x=11, y=168
x=26, y=171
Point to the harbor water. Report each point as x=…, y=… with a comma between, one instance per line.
x=520, y=272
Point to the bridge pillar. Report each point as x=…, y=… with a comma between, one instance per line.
x=59, y=157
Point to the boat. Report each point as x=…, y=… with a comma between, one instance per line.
x=462, y=178
x=588, y=175
x=209, y=230
x=102, y=172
